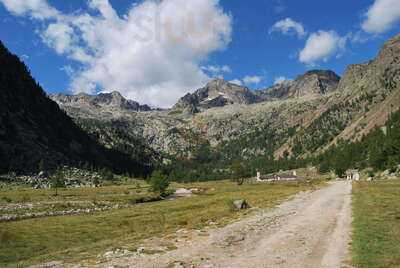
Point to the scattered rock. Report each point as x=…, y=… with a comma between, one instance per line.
x=53, y=264
x=240, y=204
x=42, y=175
x=177, y=264
x=182, y=192
x=234, y=239
x=117, y=253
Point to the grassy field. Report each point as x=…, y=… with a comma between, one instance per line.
x=376, y=226
x=72, y=238
x=19, y=200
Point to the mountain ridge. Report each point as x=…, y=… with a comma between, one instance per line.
x=111, y=100
x=216, y=93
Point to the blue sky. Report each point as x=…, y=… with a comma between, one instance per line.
x=83, y=46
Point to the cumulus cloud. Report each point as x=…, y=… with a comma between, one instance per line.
x=59, y=36
x=288, y=27
x=252, y=79
x=321, y=46
x=152, y=54
x=381, y=16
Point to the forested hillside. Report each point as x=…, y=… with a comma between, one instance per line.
x=379, y=150
x=33, y=129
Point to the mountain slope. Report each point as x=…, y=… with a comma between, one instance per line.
x=365, y=97
x=34, y=129
x=223, y=122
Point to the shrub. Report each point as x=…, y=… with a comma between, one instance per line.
x=159, y=182
x=239, y=172
x=107, y=174
x=340, y=172
x=6, y=199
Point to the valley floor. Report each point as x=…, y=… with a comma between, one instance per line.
x=311, y=230
x=102, y=236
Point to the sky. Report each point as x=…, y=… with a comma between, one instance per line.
x=156, y=51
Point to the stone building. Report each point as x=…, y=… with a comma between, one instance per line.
x=281, y=176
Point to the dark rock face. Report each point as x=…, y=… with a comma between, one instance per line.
x=33, y=128
x=112, y=101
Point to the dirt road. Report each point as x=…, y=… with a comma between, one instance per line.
x=311, y=230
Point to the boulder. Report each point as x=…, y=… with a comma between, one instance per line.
x=240, y=204
x=140, y=250
x=182, y=192
x=42, y=175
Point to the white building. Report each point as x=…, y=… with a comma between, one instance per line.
x=352, y=175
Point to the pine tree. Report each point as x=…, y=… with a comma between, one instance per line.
x=58, y=180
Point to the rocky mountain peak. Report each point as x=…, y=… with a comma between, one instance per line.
x=107, y=101
x=216, y=82
x=216, y=93
x=322, y=73
x=314, y=83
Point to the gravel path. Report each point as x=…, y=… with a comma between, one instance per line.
x=311, y=230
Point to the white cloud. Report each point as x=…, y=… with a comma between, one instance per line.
x=288, y=26
x=358, y=36
x=236, y=81
x=252, y=79
x=38, y=9
x=248, y=80
x=321, y=46
x=381, y=16
x=280, y=80
x=59, y=36
x=215, y=69
x=152, y=54
x=68, y=70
